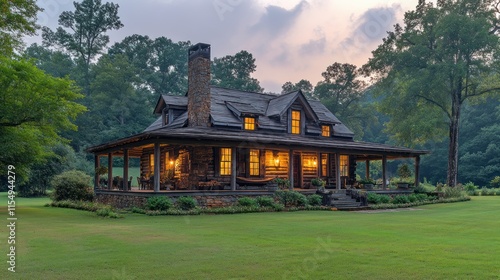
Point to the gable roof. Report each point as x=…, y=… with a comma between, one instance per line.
x=279, y=105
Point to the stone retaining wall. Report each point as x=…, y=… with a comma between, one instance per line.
x=128, y=200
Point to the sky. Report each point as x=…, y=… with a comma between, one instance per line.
x=289, y=39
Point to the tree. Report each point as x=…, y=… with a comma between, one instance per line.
x=17, y=19
x=304, y=85
x=341, y=91
x=55, y=63
x=34, y=109
x=88, y=24
x=161, y=64
x=235, y=72
x=446, y=54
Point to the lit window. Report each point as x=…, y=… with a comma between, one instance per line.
x=249, y=123
x=324, y=165
x=151, y=163
x=225, y=161
x=344, y=165
x=325, y=130
x=254, y=163
x=295, y=122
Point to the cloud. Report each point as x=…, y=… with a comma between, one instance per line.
x=371, y=27
x=313, y=47
x=276, y=21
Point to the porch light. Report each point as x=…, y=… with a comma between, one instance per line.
x=171, y=162
x=276, y=159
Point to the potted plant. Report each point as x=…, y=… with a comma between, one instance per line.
x=367, y=183
x=167, y=178
x=281, y=183
x=319, y=184
x=404, y=174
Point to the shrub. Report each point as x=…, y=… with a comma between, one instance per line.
x=186, y=203
x=314, y=200
x=291, y=198
x=247, y=202
x=495, y=183
x=72, y=185
x=470, y=188
x=160, y=203
x=400, y=199
x=497, y=192
x=452, y=191
x=385, y=198
x=484, y=191
x=373, y=198
x=421, y=197
x=265, y=201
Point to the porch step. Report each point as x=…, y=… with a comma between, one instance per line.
x=341, y=201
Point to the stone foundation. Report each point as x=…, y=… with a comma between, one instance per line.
x=209, y=200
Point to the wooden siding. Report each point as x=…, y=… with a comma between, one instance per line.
x=271, y=170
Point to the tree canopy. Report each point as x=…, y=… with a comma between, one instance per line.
x=18, y=18
x=235, y=72
x=443, y=55
x=87, y=26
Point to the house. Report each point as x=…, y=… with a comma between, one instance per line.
x=223, y=142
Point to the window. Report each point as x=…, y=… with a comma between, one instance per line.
x=295, y=122
x=324, y=165
x=325, y=130
x=151, y=163
x=249, y=123
x=344, y=165
x=225, y=161
x=254, y=162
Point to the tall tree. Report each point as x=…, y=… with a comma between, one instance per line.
x=55, y=63
x=444, y=55
x=161, y=64
x=304, y=85
x=86, y=37
x=341, y=91
x=235, y=72
x=34, y=109
x=17, y=19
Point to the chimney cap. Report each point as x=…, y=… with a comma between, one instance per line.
x=199, y=50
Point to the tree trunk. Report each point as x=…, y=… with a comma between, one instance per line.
x=453, y=145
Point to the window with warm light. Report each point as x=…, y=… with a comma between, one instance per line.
x=344, y=165
x=225, y=161
x=254, y=162
x=250, y=123
x=325, y=130
x=295, y=122
x=324, y=165
x=151, y=163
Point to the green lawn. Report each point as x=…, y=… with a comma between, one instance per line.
x=446, y=241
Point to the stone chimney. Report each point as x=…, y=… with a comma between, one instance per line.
x=199, y=85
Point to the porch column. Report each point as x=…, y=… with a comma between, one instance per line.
x=384, y=171
x=110, y=171
x=233, y=168
x=96, y=175
x=156, y=179
x=367, y=169
x=417, y=170
x=337, y=171
x=125, y=170
x=290, y=169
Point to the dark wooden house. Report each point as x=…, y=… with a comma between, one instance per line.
x=224, y=139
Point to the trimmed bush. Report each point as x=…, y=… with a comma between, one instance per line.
x=247, y=202
x=314, y=200
x=160, y=203
x=265, y=201
x=400, y=199
x=72, y=185
x=291, y=198
x=186, y=203
x=374, y=198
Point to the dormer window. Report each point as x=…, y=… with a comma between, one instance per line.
x=296, y=122
x=249, y=123
x=325, y=131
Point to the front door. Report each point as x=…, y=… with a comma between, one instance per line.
x=297, y=171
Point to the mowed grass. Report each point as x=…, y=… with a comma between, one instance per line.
x=446, y=241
